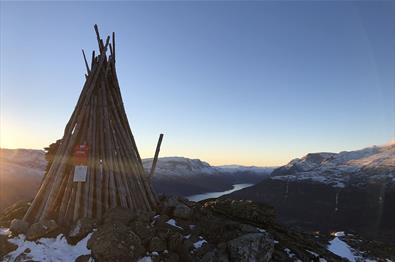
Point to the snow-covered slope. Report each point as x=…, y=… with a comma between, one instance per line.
x=27, y=158
x=375, y=163
x=181, y=166
x=21, y=171
x=250, y=169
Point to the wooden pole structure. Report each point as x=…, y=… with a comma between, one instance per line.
x=114, y=172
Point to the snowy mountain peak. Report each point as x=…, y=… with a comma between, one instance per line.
x=181, y=166
x=371, y=163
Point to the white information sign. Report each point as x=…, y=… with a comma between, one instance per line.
x=80, y=173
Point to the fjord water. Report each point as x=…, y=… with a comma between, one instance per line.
x=203, y=196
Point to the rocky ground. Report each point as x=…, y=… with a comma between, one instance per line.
x=180, y=230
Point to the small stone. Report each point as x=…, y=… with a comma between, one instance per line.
x=18, y=226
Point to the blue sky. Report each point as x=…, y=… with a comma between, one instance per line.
x=255, y=83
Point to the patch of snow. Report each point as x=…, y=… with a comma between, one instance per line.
x=172, y=222
x=199, y=243
x=180, y=166
x=313, y=253
x=291, y=254
x=4, y=231
x=145, y=259
x=340, y=248
x=340, y=234
x=251, y=169
x=261, y=230
x=49, y=249
x=187, y=236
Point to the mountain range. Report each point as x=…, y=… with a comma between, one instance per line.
x=21, y=172
x=351, y=190
x=372, y=164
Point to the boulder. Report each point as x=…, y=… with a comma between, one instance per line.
x=182, y=211
x=115, y=242
x=41, y=229
x=251, y=247
x=18, y=226
x=157, y=245
x=81, y=229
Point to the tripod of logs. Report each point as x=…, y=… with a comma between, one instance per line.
x=112, y=170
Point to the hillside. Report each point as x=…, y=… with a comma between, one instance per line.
x=353, y=190
x=372, y=164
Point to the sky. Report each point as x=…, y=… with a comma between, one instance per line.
x=252, y=83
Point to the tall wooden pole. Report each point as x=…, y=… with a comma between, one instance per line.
x=156, y=156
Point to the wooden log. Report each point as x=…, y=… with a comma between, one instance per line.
x=136, y=171
x=90, y=164
x=78, y=205
x=93, y=162
x=86, y=63
x=66, y=197
x=70, y=204
x=77, y=201
x=93, y=58
x=109, y=149
x=99, y=40
x=113, y=46
x=124, y=191
x=156, y=156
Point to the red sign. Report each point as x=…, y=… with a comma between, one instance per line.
x=80, y=154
